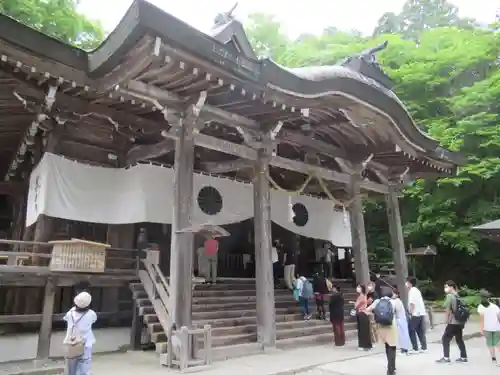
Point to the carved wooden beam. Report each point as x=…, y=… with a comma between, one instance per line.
x=12, y=187
x=311, y=144
x=146, y=152
x=201, y=140
x=227, y=166
x=327, y=174
x=207, y=113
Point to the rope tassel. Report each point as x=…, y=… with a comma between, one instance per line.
x=346, y=216
x=291, y=214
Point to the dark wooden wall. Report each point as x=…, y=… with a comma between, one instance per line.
x=21, y=306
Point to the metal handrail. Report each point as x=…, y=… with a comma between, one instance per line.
x=385, y=282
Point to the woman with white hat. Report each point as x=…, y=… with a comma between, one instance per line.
x=79, y=336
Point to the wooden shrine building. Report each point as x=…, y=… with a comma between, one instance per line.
x=159, y=90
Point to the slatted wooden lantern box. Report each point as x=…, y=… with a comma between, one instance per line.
x=78, y=256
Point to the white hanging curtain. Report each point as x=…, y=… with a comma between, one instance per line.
x=70, y=190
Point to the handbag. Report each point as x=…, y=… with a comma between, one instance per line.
x=74, y=345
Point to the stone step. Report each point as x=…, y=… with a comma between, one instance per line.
x=219, y=286
x=158, y=337
x=221, y=353
x=206, y=315
x=223, y=307
x=237, y=298
x=138, y=294
x=325, y=338
x=150, y=318
x=308, y=330
x=280, y=326
x=234, y=292
x=230, y=340
x=143, y=302
x=146, y=310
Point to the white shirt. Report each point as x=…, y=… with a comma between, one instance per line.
x=84, y=325
x=490, y=315
x=415, y=298
x=299, y=283
x=274, y=255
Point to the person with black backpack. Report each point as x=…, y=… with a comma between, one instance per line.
x=456, y=315
x=385, y=314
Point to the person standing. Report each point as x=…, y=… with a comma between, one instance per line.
x=489, y=319
x=454, y=308
x=336, y=307
x=401, y=322
x=329, y=261
x=79, y=338
x=276, y=264
x=320, y=290
x=305, y=293
x=416, y=310
x=362, y=320
x=211, y=251
x=291, y=256
x=385, y=315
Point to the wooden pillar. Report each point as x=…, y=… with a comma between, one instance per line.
x=266, y=314
x=136, y=329
x=43, y=349
x=118, y=236
x=45, y=225
x=358, y=234
x=397, y=242
x=181, y=250
x=44, y=230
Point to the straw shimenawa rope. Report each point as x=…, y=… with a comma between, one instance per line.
x=312, y=175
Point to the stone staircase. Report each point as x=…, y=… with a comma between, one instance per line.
x=230, y=308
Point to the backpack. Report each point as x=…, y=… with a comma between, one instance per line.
x=74, y=344
x=461, y=311
x=307, y=290
x=384, y=312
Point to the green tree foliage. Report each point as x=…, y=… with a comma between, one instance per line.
x=418, y=16
x=57, y=18
x=450, y=82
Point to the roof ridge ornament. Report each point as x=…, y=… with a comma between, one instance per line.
x=366, y=63
x=224, y=17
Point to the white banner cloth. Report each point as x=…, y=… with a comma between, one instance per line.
x=70, y=190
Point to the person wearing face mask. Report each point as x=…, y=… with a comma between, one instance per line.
x=362, y=320
x=416, y=310
x=454, y=316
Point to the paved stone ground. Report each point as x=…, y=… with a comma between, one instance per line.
x=279, y=362
x=480, y=363
x=23, y=346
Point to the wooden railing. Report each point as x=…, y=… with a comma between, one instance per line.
x=182, y=346
x=25, y=270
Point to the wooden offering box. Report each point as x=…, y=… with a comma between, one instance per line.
x=78, y=256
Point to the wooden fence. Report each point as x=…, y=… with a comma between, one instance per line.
x=25, y=273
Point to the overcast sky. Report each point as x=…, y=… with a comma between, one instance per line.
x=296, y=16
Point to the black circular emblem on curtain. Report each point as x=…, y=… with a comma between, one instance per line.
x=210, y=200
x=301, y=216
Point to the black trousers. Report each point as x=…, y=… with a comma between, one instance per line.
x=454, y=331
x=364, y=333
x=276, y=270
x=417, y=328
x=390, y=353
